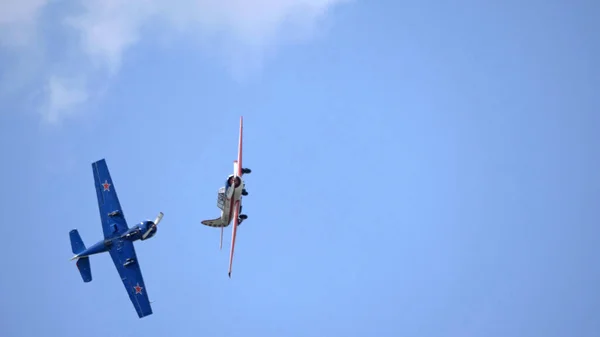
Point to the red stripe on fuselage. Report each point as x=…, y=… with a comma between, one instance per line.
x=231, y=204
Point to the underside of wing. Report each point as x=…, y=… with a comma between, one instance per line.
x=236, y=213
x=111, y=214
x=239, y=167
x=126, y=262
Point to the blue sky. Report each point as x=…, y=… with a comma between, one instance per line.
x=419, y=168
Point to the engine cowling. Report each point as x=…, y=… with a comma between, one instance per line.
x=151, y=227
x=149, y=230
x=231, y=180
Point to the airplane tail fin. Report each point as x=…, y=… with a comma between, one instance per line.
x=76, y=243
x=83, y=263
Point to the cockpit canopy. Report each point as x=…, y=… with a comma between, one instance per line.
x=221, y=198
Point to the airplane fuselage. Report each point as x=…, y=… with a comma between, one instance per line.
x=232, y=195
x=133, y=234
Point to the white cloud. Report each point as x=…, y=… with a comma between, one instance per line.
x=20, y=10
x=63, y=95
x=17, y=20
x=106, y=29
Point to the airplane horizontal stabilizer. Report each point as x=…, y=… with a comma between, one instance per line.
x=83, y=264
x=218, y=222
x=76, y=243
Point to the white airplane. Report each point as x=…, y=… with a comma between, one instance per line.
x=229, y=200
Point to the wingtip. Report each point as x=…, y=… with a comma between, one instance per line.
x=229, y=274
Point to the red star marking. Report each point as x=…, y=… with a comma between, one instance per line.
x=138, y=289
x=106, y=185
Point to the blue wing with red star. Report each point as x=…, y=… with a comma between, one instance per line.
x=111, y=213
x=125, y=259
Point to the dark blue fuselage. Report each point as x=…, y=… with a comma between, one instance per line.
x=133, y=234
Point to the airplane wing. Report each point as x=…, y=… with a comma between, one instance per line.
x=124, y=253
x=236, y=214
x=239, y=156
x=111, y=214
x=237, y=168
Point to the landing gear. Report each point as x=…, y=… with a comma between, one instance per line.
x=243, y=217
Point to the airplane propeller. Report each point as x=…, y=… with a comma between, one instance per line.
x=154, y=225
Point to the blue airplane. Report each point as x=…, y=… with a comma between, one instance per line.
x=118, y=241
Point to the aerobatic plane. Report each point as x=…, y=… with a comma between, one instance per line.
x=229, y=199
x=118, y=241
